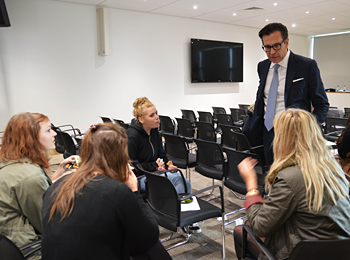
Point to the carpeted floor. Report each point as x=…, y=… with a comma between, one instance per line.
x=205, y=245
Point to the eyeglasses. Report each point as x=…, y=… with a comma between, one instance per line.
x=276, y=47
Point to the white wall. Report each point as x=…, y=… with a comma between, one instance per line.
x=49, y=63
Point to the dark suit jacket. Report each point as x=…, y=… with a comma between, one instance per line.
x=300, y=94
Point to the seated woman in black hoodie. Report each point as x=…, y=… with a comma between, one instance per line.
x=145, y=144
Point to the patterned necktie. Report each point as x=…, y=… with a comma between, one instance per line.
x=271, y=100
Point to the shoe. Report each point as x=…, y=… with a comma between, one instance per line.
x=195, y=229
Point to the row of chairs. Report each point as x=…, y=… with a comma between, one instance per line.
x=237, y=117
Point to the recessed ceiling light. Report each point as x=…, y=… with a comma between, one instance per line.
x=195, y=6
x=234, y=14
x=293, y=25
x=307, y=12
x=333, y=18
x=266, y=20
x=274, y=4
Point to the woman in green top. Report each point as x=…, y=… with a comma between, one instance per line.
x=25, y=175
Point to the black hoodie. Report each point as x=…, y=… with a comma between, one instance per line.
x=143, y=148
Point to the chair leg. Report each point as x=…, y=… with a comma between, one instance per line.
x=183, y=242
x=167, y=238
x=223, y=237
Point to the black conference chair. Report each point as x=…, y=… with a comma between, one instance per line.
x=305, y=250
x=106, y=119
x=228, y=139
x=9, y=251
x=71, y=146
x=185, y=129
x=244, y=145
x=334, y=124
x=211, y=161
x=219, y=110
x=233, y=180
x=166, y=204
x=224, y=119
x=190, y=115
x=121, y=123
x=244, y=107
x=178, y=151
x=205, y=131
x=205, y=117
x=166, y=125
x=346, y=112
x=237, y=116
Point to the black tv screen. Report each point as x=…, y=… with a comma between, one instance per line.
x=216, y=61
x=4, y=18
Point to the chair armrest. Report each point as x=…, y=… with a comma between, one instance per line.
x=195, y=147
x=37, y=247
x=257, y=241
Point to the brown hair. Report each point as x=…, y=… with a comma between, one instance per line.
x=21, y=139
x=139, y=104
x=103, y=151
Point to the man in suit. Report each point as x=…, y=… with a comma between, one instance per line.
x=297, y=84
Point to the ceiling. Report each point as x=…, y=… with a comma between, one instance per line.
x=310, y=17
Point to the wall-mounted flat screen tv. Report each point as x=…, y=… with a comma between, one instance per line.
x=216, y=61
x=4, y=18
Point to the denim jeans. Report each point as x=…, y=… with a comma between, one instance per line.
x=174, y=177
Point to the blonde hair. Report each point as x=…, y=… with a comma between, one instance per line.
x=139, y=104
x=298, y=138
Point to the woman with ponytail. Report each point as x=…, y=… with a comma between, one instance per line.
x=97, y=212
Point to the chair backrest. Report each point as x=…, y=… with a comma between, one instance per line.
x=219, y=110
x=121, y=123
x=189, y=114
x=335, y=112
x=224, y=119
x=321, y=249
x=228, y=139
x=233, y=179
x=184, y=127
x=209, y=154
x=334, y=124
x=162, y=197
x=176, y=148
x=70, y=145
x=205, y=117
x=346, y=112
x=166, y=125
x=106, y=119
x=236, y=114
x=242, y=142
x=205, y=131
x=8, y=250
x=244, y=107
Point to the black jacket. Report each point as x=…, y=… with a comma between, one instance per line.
x=143, y=148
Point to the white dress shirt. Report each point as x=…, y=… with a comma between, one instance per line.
x=282, y=73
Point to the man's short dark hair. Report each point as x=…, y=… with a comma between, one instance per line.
x=272, y=27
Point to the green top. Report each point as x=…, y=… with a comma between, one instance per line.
x=22, y=186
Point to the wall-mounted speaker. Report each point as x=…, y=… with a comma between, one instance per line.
x=103, y=31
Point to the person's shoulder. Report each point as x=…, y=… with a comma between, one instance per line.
x=292, y=176
x=297, y=57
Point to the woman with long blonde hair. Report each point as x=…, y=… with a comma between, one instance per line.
x=97, y=212
x=308, y=192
